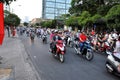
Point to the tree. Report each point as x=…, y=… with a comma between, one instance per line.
x=6, y=13
x=48, y=24
x=92, y=6
x=84, y=18
x=7, y=1
x=12, y=19
x=113, y=17
x=96, y=17
x=25, y=24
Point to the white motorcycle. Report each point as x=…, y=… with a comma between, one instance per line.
x=113, y=64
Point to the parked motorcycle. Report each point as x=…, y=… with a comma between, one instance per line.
x=60, y=51
x=112, y=64
x=86, y=50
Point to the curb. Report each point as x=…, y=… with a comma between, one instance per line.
x=28, y=61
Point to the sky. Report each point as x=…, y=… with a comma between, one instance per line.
x=27, y=9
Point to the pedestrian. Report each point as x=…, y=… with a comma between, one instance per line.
x=13, y=32
x=8, y=30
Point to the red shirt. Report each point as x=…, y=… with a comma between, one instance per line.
x=93, y=32
x=82, y=37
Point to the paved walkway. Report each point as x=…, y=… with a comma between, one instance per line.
x=14, y=54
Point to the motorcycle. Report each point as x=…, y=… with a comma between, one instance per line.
x=105, y=48
x=60, y=51
x=32, y=36
x=44, y=38
x=70, y=42
x=112, y=64
x=86, y=50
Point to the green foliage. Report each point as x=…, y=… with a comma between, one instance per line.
x=12, y=19
x=48, y=24
x=37, y=24
x=84, y=18
x=95, y=17
x=114, y=11
x=113, y=17
x=25, y=24
x=6, y=13
x=72, y=21
x=103, y=9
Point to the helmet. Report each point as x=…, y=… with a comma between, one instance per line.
x=56, y=31
x=60, y=32
x=79, y=31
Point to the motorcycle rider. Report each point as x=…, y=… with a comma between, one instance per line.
x=44, y=32
x=82, y=39
x=117, y=52
x=77, y=35
x=51, y=35
x=55, y=38
x=32, y=34
x=117, y=48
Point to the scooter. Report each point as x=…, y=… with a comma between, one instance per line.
x=60, y=51
x=112, y=64
x=106, y=47
x=86, y=50
x=70, y=42
x=32, y=36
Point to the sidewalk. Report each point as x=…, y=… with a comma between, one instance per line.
x=14, y=54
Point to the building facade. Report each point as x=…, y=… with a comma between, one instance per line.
x=55, y=8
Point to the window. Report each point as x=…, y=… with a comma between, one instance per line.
x=50, y=4
x=49, y=10
x=49, y=16
x=55, y=8
x=59, y=5
x=51, y=0
x=68, y=6
x=60, y=1
x=68, y=1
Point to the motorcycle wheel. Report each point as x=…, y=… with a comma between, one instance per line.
x=32, y=39
x=71, y=44
x=61, y=57
x=89, y=56
x=45, y=41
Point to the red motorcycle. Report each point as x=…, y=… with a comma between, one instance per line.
x=60, y=51
x=105, y=47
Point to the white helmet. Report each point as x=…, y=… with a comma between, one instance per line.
x=56, y=31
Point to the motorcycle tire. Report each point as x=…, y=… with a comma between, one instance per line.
x=71, y=44
x=89, y=56
x=45, y=40
x=61, y=57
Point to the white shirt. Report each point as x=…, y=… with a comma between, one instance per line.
x=117, y=48
x=110, y=38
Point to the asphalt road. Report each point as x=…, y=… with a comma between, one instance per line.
x=74, y=68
